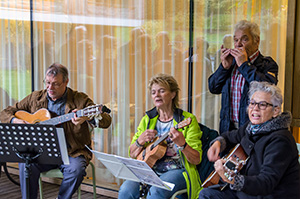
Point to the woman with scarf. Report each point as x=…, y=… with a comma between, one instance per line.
x=272, y=170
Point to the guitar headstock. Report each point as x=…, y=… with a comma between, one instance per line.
x=184, y=123
x=95, y=110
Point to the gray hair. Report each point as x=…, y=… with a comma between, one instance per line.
x=251, y=26
x=56, y=69
x=266, y=87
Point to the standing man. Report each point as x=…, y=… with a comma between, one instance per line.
x=59, y=100
x=239, y=66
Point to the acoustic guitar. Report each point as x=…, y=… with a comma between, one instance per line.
x=43, y=116
x=157, y=149
x=235, y=161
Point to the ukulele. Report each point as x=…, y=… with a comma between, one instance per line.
x=42, y=116
x=235, y=161
x=157, y=149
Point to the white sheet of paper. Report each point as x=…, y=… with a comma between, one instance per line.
x=131, y=169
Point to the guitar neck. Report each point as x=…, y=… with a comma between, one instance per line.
x=62, y=118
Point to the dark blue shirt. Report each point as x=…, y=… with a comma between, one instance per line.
x=57, y=106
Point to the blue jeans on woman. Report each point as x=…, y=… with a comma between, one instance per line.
x=130, y=189
x=209, y=193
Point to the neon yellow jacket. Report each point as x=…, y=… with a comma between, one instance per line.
x=192, y=134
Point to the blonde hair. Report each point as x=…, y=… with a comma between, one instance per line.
x=169, y=83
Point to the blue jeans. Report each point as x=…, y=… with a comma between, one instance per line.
x=130, y=189
x=208, y=193
x=73, y=176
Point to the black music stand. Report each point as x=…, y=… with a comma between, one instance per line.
x=32, y=143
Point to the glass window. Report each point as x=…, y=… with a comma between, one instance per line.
x=113, y=48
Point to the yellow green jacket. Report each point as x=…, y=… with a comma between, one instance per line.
x=192, y=134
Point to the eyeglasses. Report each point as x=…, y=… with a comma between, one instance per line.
x=55, y=84
x=261, y=105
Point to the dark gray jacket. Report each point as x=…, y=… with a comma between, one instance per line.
x=273, y=170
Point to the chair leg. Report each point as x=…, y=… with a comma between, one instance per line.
x=41, y=188
x=178, y=193
x=79, y=192
x=94, y=180
x=79, y=188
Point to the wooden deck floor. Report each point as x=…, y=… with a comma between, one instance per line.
x=9, y=190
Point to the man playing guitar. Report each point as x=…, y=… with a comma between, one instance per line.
x=59, y=99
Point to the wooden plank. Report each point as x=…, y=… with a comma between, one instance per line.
x=290, y=58
x=296, y=134
x=296, y=68
x=10, y=190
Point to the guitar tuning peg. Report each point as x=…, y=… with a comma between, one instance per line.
x=226, y=175
x=98, y=117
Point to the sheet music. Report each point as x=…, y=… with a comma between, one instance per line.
x=114, y=166
x=131, y=169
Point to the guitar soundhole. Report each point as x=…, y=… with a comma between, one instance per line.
x=230, y=165
x=151, y=147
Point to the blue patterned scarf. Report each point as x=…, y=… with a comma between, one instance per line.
x=254, y=128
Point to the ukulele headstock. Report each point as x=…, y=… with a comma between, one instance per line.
x=183, y=123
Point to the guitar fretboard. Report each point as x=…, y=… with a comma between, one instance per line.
x=63, y=118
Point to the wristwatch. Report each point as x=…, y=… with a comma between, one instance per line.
x=180, y=148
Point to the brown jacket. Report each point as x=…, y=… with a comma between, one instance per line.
x=77, y=136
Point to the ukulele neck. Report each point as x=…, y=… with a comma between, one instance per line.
x=163, y=137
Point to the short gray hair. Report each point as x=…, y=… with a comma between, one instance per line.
x=56, y=69
x=251, y=26
x=266, y=87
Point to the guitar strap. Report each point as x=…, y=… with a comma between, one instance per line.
x=178, y=117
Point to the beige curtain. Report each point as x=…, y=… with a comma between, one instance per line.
x=214, y=20
x=113, y=48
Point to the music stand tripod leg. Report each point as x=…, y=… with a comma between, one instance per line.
x=31, y=143
x=1, y=164
x=28, y=160
x=144, y=188
x=8, y=175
